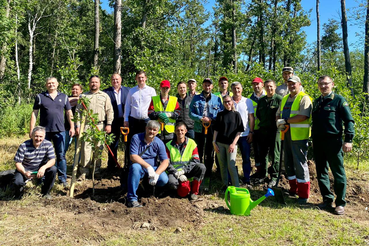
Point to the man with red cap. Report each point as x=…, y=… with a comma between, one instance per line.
x=165, y=108
x=259, y=92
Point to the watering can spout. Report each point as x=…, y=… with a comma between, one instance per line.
x=253, y=204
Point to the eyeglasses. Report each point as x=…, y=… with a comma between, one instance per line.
x=227, y=102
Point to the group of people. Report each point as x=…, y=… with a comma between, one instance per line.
x=171, y=136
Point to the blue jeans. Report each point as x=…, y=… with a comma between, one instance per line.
x=58, y=139
x=136, y=173
x=245, y=149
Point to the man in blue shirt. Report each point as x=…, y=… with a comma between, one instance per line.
x=51, y=105
x=35, y=158
x=145, y=148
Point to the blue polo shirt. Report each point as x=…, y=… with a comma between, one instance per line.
x=52, y=111
x=156, y=149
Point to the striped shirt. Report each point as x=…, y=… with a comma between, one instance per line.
x=31, y=158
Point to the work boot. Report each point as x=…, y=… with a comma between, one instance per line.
x=195, y=186
x=303, y=190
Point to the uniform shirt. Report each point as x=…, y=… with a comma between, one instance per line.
x=155, y=149
x=138, y=102
x=244, y=107
x=266, y=110
x=100, y=104
x=329, y=114
x=52, y=110
x=31, y=158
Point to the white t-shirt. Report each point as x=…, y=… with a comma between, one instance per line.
x=244, y=107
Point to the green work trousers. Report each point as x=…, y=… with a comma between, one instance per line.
x=270, y=144
x=328, y=153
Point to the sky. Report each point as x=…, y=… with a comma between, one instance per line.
x=329, y=9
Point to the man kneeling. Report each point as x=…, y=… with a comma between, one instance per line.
x=184, y=163
x=35, y=158
x=144, y=150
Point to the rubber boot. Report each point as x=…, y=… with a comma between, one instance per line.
x=183, y=189
x=195, y=187
x=293, y=187
x=303, y=190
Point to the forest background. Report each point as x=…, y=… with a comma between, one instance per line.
x=178, y=40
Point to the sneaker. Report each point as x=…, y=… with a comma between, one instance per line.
x=194, y=197
x=134, y=204
x=339, y=210
x=272, y=183
x=47, y=196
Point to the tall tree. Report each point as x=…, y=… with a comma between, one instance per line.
x=346, y=47
x=366, y=52
x=97, y=33
x=318, y=46
x=331, y=41
x=118, y=36
x=4, y=48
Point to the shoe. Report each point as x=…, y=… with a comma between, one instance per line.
x=339, y=210
x=205, y=185
x=82, y=177
x=245, y=181
x=325, y=206
x=272, y=183
x=47, y=196
x=256, y=175
x=134, y=204
x=302, y=201
x=194, y=197
x=65, y=184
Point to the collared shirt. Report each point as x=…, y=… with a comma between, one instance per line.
x=244, y=107
x=52, y=110
x=255, y=98
x=101, y=105
x=283, y=90
x=138, y=102
x=31, y=158
x=118, y=96
x=154, y=149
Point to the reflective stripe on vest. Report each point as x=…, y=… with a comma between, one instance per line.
x=177, y=159
x=158, y=107
x=300, y=130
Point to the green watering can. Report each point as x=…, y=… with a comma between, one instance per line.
x=241, y=203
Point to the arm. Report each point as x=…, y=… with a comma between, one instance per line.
x=33, y=121
x=163, y=166
x=109, y=114
x=41, y=171
x=194, y=115
x=71, y=123
x=233, y=144
x=19, y=166
x=151, y=111
x=216, y=148
x=137, y=159
x=176, y=113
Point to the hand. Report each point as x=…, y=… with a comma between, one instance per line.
x=231, y=148
x=182, y=178
x=249, y=137
x=28, y=174
x=71, y=132
x=178, y=174
x=280, y=123
x=41, y=172
x=151, y=172
x=216, y=148
x=77, y=131
x=126, y=124
x=154, y=180
x=347, y=147
x=205, y=119
x=108, y=128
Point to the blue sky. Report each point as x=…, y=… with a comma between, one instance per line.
x=329, y=9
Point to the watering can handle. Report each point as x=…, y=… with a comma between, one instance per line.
x=284, y=131
x=226, y=198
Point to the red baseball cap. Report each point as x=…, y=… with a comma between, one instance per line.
x=257, y=80
x=222, y=78
x=165, y=83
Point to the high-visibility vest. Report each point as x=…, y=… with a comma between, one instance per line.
x=257, y=121
x=219, y=94
x=300, y=130
x=158, y=107
x=178, y=159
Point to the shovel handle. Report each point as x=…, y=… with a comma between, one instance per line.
x=206, y=125
x=124, y=131
x=284, y=131
x=162, y=125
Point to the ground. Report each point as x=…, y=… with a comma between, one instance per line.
x=104, y=217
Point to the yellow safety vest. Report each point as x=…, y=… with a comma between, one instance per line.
x=300, y=130
x=158, y=107
x=177, y=159
x=257, y=121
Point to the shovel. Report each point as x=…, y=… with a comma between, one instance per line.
x=278, y=192
x=206, y=182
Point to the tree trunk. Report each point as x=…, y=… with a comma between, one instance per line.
x=286, y=53
x=31, y=30
x=366, y=52
x=319, y=59
x=272, y=38
x=4, y=48
x=234, y=38
x=118, y=36
x=97, y=33
x=345, y=46
x=144, y=14
x=17, y=59
x=251, y=52
x=261, y=34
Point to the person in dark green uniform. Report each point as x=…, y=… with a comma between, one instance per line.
x=330, y=113
x=269, y=133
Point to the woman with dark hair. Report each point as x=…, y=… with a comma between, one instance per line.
x=227, y=130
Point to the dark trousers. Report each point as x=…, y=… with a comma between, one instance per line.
x=50, y=174
x=207, y=156
x=192, y=170
x=328, y=154
x=115, y=131
x=270, y=146
x=256, y=146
